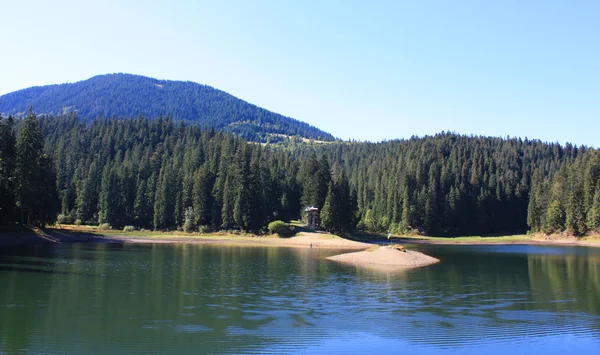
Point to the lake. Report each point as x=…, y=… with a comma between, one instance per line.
x=125, y=298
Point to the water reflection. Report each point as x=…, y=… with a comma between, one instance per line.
x=96, y=298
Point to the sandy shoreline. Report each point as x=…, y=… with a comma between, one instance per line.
x=530, y=241
x=302, y=240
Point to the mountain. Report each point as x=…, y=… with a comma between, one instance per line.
x=127, y=95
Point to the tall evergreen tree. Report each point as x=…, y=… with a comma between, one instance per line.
x=36, y=179
x=7, y=169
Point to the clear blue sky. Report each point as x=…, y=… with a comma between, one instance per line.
x=368, y=70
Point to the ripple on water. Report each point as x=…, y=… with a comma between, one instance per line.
x=231, y=302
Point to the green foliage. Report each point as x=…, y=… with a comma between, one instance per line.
x=337, y=214
x=64, y=219
x=36, y=196
x=150, y=172
x=158, y=175
x=555, y=217
x=593, y=216
x=326, y=214
x=281, y=228
x=448, y=184
x=7, y=170
x=315, y=176
x=574, y=196
x=188, y=224
x=127, y=228
x=104, y=227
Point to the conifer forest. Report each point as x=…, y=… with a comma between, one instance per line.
x=163, y=174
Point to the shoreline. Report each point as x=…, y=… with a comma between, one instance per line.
x=301, y=240
x=67, y=236
x=498, y=241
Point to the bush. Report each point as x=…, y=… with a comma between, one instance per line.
x=128, y=229
x=188, y=224
x=204, y=229
x=104, y=226
x=281, y=228
x=64, y=219
x=78, y=222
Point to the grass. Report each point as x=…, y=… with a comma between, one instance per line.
x=595, y=238
x=459, y=239
x=148, y=234
x=485, y=239
x=152, y=234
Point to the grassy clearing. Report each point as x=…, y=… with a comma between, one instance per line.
x=460, y=239
x=155, y=234
x=595, y=238
x=148, y=234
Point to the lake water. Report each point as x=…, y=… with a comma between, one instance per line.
x=114, y=298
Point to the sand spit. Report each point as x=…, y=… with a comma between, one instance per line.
x=386, y=256
x=302, y=240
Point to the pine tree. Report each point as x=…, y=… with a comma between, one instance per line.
x=242, y=209
x=204, y=181
x=326, y=217
x=87, y=195
x=536, y=208
x=7, y=170
x=555, y=217
x=575, y=211
x=593, y=216
x=36, y=179
x=310, y=189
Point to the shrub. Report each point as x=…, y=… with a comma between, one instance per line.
x=78, y=222
x=188, y=224
x=64, y=219
x=204, y=229
x=104, y=226
x=281, y=228
x=128, y=229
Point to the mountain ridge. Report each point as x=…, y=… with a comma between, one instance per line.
x=129, y=95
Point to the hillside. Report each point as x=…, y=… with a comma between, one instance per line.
x=126, y=95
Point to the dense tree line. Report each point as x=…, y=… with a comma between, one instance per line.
x=126, y=95
x=162, y=174
x=446, y=184
x=570, y=200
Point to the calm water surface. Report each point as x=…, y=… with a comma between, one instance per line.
x=113, y=298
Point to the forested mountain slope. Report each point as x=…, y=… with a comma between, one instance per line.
x=163, y=175
x=126, y=95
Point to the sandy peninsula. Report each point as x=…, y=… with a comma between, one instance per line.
x=386, y=256
x=302, y=240
x=83, y=235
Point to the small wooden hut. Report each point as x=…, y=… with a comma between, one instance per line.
x=312, y=214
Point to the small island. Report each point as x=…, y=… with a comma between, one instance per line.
x=388, y=256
